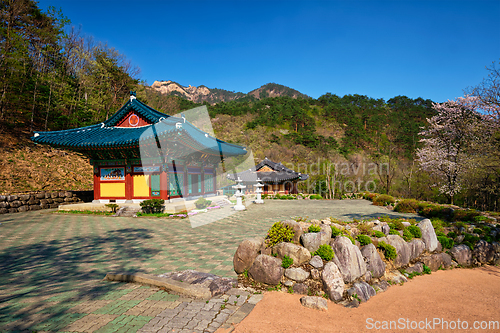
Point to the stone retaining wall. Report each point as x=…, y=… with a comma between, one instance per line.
x=14, y=203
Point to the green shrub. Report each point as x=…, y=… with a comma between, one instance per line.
x=407, y=206
x=389, y=250
x=434, y=210
x=202, y=203
x=477, y=231
x=369, y=196
x=398, y=225
x=325, y=251
x=378, y=234
x=314, y=228
x=465, y=214
x=440, y=233
x=286, y=262
x=486, y=229
x=383, y=200
x=364, y=240
x=407, y=235
x=427, y=270
x=451, y=235
x=316, y=197
x=394, y=232
x=471, y=239
x=446, y=242
x=439, y=224
x=279, y=233
x=335, y=231
x=365, y=229
x=415, y=231
x=152, y=206
x=112, y=206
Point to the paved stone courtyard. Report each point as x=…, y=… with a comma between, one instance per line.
x=52, y=266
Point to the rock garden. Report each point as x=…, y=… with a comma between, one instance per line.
x=350, y=262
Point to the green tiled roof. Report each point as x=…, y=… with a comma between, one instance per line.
x=164, y=129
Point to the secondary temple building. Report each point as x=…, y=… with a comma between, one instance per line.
x=140, y=153
x=275, y=176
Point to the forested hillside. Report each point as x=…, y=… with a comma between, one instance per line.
x=53, y=77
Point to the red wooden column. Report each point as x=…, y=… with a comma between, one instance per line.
x=164, y=184
x=128, y=183
x=97, y=183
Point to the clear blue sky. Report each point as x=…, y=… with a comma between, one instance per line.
x=429, y=49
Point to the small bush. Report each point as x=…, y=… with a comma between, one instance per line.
x=335, y=231
x=314, y=228
x=152, y=206
x=286, y=262
x=433, y=210
x=446, y=242
x=279, y=233
x=439, y=224
x=325, y=251
x=389, y=250
x=316, y=197
x=378, y=234
x=202, y=203
x=394, y=232
x=113, y=207
x=477, y=231
x=472, y=239
x=415, y=231
x=398, y=225
x=365, y=229
x=364, y=240
x=440, y=233
x=383, y=200
x=369, y=196
x=465, y=215
x=452, y=235
x=427, y=270
x=407, y=206
x=407, y=235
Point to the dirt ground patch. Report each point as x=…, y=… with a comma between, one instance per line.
x=470, y=295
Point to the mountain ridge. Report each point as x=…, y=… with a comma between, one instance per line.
x=212, y=96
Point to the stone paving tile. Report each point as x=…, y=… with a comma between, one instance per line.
x=90, y=323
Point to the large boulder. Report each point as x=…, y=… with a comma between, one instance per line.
x=364, y=291
x=462, y=255
x=296, y=229
x=403, y=250
x=437, y=260
x=374, y=263
x=348, y=258
x=333, y=282
x=298, y=253
x=296, y=274
x=311, y=241
x=246, y=254
x=314, y=302
x=417, y=268
x=428, y=235
x=417, y=247
x=326, y=234
x=266, y=269
x=483, y=252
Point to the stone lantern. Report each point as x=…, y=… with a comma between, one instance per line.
x=259, y=192
x=239, y=195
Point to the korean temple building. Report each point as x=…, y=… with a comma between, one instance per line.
x=140, y=153
x=275, y=177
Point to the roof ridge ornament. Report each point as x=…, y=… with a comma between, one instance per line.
x=133, y=95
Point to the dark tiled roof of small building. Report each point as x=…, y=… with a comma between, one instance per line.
x=164, y=128
x=279, y=174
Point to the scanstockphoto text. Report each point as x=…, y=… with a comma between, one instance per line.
x=431, y=324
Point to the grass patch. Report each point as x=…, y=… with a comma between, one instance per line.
x=87, y=212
